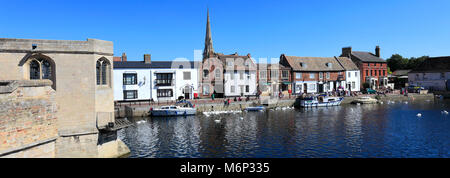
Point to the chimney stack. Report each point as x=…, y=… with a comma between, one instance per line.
x=346, y=52
x=377, y=51
x=124, y=57
x=147, y=58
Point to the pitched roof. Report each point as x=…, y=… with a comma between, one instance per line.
x=434, y=64
x=224, y=58
x=152, y=65
x=347, y=63
x=366, y=56
x=270, y=66
x=313, y=64
x=131, y=64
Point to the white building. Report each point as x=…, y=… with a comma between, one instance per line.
x=132, y=81
x=170, y=81
x=154, y=80
x=433, y=74
x=352, y=74
x=240, y=78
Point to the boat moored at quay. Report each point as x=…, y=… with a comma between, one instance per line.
x=318, y=101
x=182, y=108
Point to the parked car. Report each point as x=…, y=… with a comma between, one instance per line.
x=414, y=89
x=369, y=91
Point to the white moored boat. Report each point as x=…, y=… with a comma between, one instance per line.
x=320, y=101
x=183, y=108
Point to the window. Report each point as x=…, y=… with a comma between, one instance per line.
x=40, y=69
x=186, y=75
x=379, y=72
x=233, y=89
x=241, y=75
x=312, y=87
x=263, y=74
x=232, y=75
x=46, y=70
x=312, y=75
x=103, y=72
x=298, y=75
x=353, y=85
x=230, y=63
x=164, y=93
x=130, y=94
x=274, y=74
x=205, y=89
x=35, y=70
x=164, y=79
x=349, y=74
x=356, y=74
x=303, y=65
x=384, y=72
x=371, y=71
x=247, y=73
x=247, y=88
x=320, y=75
x=329, y=65
x=205, y=73
x=285, y=74
x=217, y=73
x=367, y=73
x=328, y=75
x=129, y=79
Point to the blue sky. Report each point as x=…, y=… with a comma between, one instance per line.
x=265, y=28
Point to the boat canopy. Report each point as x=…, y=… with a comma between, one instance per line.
x=184, y=103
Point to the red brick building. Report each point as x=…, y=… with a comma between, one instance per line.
x=273, y=78
x=373, y=68
x=314, y=74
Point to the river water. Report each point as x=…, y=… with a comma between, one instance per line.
x=389, y=130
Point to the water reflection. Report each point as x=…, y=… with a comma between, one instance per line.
x=387, y=130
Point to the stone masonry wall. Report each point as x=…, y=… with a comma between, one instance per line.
x=28, y=122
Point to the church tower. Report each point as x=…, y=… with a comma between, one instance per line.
x=209, y=50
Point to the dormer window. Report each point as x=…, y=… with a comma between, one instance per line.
x=329, y=65
x=302, y=64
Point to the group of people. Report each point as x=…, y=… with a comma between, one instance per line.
x=227, y=101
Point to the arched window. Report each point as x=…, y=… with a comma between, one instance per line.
x=103, y=72
x=40, y=67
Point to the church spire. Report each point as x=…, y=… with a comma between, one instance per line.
x=209, y=50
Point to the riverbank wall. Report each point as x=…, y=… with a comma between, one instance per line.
x=130, y=111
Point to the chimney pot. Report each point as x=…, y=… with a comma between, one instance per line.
x=147, y=58
x=377, y=51
x=124, y=57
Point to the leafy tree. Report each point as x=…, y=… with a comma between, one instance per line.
x=396, y=62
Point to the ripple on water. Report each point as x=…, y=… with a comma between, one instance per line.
x=388, y=130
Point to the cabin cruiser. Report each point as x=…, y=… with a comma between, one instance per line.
x=320, y=101
x=182, y=108
x=365, y=100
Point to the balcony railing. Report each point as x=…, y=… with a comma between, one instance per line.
x=165, y=82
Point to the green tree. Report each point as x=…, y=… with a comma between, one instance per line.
x=396, y=61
